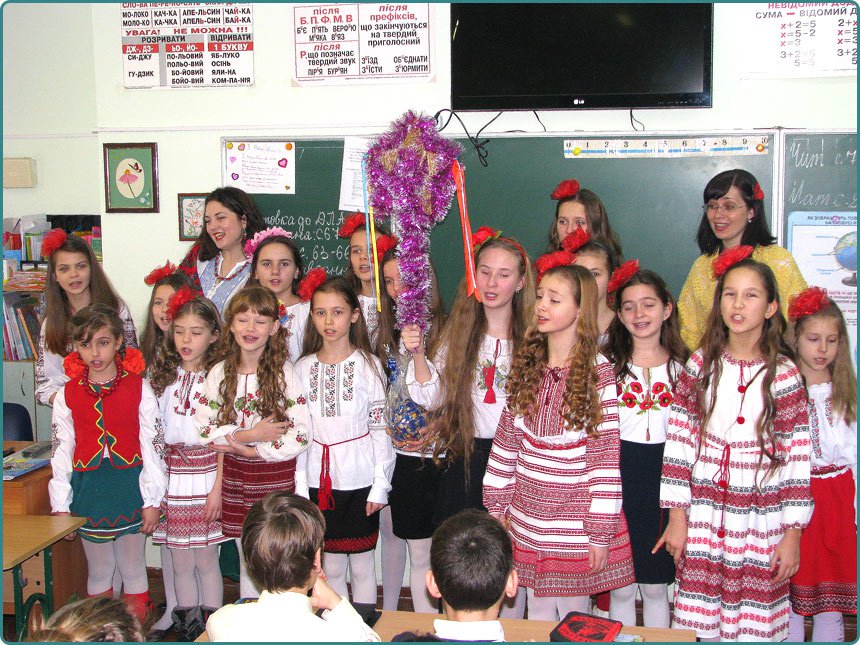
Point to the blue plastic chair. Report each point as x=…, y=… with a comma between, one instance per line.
x=17, y=425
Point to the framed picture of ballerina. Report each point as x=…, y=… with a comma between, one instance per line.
x=131, y=177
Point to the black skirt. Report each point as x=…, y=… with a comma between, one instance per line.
x=414, y=487
x=641, y=465
x=455, y=492
x=348, y=529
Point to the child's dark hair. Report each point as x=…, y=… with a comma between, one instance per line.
x=772, y=346
x=57, y=308
x=756, y=233
x=162, y=372
x=98, y=619
x=241, y=203
x=843, y=395
x=294, y=251
x=619, y=347
x=271, y=384
x=357, y=331
x=150, y=341
x=91, y=319
x=281, y=536
x=598, y=221
x=471, y=558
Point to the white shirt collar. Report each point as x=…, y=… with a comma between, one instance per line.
x=479, y=630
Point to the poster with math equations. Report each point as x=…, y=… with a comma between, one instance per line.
x=187, y=45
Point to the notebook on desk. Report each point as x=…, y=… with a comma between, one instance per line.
x=31, y=458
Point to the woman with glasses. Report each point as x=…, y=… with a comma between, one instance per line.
x=732, y=215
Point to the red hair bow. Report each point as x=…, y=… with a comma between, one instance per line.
x=384, y=244
x=52, y=241
x=758, y=193
x=74, y=366
x=350, y=224
x=311, y=282
x=159, y=273
x=730, y=257
x=576, y=240
x=807, y=302
x=551, y=260
x=622, y=275
x=567, y=188
x=133, y=361
x=483, y=234
x=179, y=298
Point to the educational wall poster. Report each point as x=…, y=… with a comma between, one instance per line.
x=362, y=43
x=353, y=192
x=261, y=166
x=796, y=39
x=195, y=44
x=824, y=245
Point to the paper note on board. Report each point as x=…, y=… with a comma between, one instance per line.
x=351, y=179
x=261, y=166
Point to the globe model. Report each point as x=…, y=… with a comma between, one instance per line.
x=846, y=255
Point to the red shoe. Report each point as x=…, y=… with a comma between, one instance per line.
x=139, y=605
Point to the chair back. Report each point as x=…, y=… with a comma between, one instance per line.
x=17, y=425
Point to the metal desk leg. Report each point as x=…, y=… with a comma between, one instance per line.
x=46, y=599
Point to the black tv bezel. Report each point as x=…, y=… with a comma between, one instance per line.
x=703, y=99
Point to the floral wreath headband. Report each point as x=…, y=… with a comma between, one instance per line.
x=252, y=244
x=52, y=241
x=552, y=260
x=622, y=275
x=384, y=244
x=310, y=283
x=730, y=257
x=566, y=189
x=486, y=233
x=806, y=303
x=159, y=273
x=758, y=193
x=184, y=295
x=350, y=224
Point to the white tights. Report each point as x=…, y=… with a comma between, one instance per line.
x=554, y=607
x=827, y=627
x=393, y=551
x=655, y=605
x=197, y=577
x=514, y=607
x=419, y=565
x=126, y=553
x=247, y=588
x=362, y=568
x=166, y=619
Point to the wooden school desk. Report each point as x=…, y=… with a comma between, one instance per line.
x=23, y=537
x=28, y=495
x=392, y=623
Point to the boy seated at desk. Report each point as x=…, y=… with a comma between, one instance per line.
x=472, y=571
x=282, y=540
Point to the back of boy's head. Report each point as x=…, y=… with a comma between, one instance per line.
x=280, y=539
x=471, y=558
x=97, y=619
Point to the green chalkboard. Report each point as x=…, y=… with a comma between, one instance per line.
x=654, y=204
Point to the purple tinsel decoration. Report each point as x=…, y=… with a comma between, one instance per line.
x=409, y=176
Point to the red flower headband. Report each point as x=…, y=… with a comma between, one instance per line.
x=350, y=224
x=52, y=241
x=179, y=298
x=485, y=233
x=551, y=260
x=311, y=282
x=159, y=273
x=384, y=244
x=252, y=244
x=567, y=188
x=730, y=257
x=758, y=193
x=807, y=302
x=622, y=275
x=576, y=240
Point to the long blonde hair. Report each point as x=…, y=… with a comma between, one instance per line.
x=581, y=409
x=271, y=384
x=454, y=426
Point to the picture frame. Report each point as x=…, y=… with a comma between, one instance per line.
x=191, y=207
x=131, y=177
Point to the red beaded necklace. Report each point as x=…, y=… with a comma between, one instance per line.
x=108, y=388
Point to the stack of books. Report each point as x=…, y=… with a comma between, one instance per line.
x=22, y=321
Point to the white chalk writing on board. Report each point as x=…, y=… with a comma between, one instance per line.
x=261, y=166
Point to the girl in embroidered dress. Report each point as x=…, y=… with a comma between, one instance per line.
x=108, y=454
x=826, y=584
x=75, y=280
x=406, y=521
x=190, y=530
x=359, y=268
x=646, y=350
x=553, y=477
x=736, y=464
x=578, y=208
x=465, y=384
x=253, y=409
x=276, y=264
x=217, y=263
x=347, y=470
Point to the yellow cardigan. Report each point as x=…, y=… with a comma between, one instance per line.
x=694, y=305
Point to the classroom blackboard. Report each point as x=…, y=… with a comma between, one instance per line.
x=654, y=203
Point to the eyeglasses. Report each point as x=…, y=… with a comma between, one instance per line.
x=726, y=208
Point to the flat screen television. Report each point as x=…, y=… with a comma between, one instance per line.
x=573, y=56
